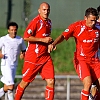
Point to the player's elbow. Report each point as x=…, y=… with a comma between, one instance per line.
x=25, y=39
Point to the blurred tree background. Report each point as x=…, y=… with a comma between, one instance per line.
x=27, y=10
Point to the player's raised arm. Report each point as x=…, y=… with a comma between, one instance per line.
x=58, y=40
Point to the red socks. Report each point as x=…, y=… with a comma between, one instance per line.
x=84, y=95
x=49, y=93
x=19, y=93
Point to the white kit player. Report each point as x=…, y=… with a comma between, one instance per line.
x=11, y=47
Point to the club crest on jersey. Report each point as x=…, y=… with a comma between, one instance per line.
x=29, y=31
x=66, y=30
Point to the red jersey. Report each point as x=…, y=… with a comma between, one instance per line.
x=87, y=39
x=39, y=28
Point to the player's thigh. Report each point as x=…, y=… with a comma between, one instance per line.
x=13, y=71
x=6, y=71
x=82, y=69
x=47, y=71
x=3, y=70
x=30, y=70
x=7, y=75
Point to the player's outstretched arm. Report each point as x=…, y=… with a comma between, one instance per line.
x=58, y=40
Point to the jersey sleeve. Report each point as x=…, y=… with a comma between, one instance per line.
x=23, y=46
x=1, y=43
x=68, y=32
x=30, y=30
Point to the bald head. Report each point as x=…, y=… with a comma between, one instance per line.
x=44, y=10
x=44, y=3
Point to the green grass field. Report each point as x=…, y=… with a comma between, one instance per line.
x=62, y=56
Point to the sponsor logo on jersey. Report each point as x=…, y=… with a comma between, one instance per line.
x=95, y=39
x=87, y=41
x=45, y=34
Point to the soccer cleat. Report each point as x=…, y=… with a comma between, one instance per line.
x=91, y=97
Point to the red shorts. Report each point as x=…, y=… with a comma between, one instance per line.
x=30, y=70
x=86, y=68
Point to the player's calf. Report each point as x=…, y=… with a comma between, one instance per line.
x=84, y=95
x=19, y=93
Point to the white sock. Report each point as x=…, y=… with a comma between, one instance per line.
x=1, y=92
x=10, y=95
x=6, y=96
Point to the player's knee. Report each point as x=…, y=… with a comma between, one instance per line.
x=87, y=82
x=87, y=86
x=50, y=82
x=11, y=87
x=23, y=84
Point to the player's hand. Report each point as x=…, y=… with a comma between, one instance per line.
x=22, y=56
x=47, y=39
x=2, y=56
x=51, y=48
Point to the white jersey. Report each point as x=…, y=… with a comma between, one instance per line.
x=11, y=48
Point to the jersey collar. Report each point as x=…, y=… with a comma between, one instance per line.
x=42, y=19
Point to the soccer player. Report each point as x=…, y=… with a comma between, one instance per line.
x=37, y=59
x=87, y=39
x=11, y=46
x=94, y=88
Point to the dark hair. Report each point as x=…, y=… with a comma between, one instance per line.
x=98, y=9
x=91, y=11
x=12, y=24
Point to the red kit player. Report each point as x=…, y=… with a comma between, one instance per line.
x=37, y=59
x=87, y=39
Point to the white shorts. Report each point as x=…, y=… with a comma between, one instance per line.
x=8, y=74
